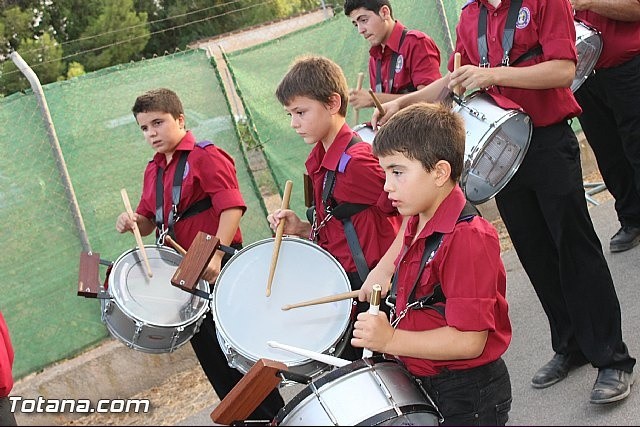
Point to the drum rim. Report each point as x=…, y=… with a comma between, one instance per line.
x=222, y=332
x=201, y=311
x=318, y=384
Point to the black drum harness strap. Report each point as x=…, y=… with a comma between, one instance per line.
x=431, y=246
x=341, y=211
x=392, y=70
x=507, y=37
x=197, y=207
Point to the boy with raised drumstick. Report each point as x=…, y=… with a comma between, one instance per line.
x=353, y=219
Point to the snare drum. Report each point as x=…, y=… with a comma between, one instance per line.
x=365, y=131
x=496, y=142
x=246, y=319
x=371, y=392
x=589, y=47
x=148, y=313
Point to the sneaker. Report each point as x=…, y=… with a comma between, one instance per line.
x=626, y=238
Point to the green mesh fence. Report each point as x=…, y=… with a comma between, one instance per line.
x=257, y=72
x=104, y=151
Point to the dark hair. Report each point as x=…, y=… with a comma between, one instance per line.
x=314, y=77
x=372, y=5
x=162, y=99
x=427, y=133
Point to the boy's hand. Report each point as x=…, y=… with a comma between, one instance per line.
x=124, y=222
x=390, y=108
x=292, y=225
x=360, y=99
x=372, y=332
x=212, y=271
x=375, y=276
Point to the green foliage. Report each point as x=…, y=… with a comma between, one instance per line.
x=75, y=69
x=43, y=56
x=116, y=36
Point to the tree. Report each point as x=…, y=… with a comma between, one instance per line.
x=117, y=35
x=43, y=55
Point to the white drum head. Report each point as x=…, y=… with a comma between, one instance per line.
x=247, y=319
x=366, y=132
x=154, y=300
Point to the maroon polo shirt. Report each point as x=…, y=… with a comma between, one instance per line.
x=620, y=39
x=547, y=23
x=361, y=182
x=469, y=268
x=209, y=172
x=418, y=60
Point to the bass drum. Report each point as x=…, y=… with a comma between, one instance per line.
x=374, y=391
x=149, y=313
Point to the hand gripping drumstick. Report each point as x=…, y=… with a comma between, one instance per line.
x=374, y=308
x=279, y=231
x=323, y=300
x=377, y=102
x=357, y=110
x=136, y=231
x=457, y=59
x=320, y=357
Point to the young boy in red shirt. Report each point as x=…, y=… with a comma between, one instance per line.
x=6, y=377
x=343, y=171
x=210, y=201
x=450, y=325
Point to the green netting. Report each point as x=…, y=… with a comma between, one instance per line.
x=257, y=72
x=104, y=151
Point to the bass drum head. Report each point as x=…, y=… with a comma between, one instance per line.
x=154, y=300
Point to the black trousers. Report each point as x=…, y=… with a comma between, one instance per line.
x=611, y=122
x=472, y=397
x=545, y=212
x=221, y=376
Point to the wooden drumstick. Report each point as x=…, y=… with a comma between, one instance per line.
x=136, y=231
x=376, y=101
x=182, y=251
x=457, y=59
x=279, y=231
x=358, y=87
x=323, y=300
x=320, y=357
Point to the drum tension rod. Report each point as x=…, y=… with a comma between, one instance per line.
x=292, y=376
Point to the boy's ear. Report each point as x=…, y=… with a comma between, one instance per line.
x=335, y=102
x=384, y=12
x=443, y=172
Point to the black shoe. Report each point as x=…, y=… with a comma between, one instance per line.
x=626, y=238
x=612, y=385
x=554, y=370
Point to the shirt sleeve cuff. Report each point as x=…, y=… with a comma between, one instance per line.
x=227, y=199
x=471, y=314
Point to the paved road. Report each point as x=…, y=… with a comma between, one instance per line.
x=566, y=403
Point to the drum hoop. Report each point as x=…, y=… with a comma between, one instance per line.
x=129, y=313
x=222, y=331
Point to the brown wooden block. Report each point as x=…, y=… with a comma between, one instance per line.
x=190, y=269
x=88, y=275
x=249, y=393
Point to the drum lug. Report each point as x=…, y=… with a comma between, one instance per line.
x=108, y=308
x=136, y=334
x=175, y=336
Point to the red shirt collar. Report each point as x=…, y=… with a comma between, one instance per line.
x=392, y=44
x=443, y=221
x=187, y=143
x=337, y=147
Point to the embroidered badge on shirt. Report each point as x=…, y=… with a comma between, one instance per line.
x=524, y=17
x=399, y=63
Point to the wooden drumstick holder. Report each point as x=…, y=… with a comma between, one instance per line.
x=195, y=262
x=88, y=275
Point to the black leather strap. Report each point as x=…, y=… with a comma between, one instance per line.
x=508, y=33
x=392, y=68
